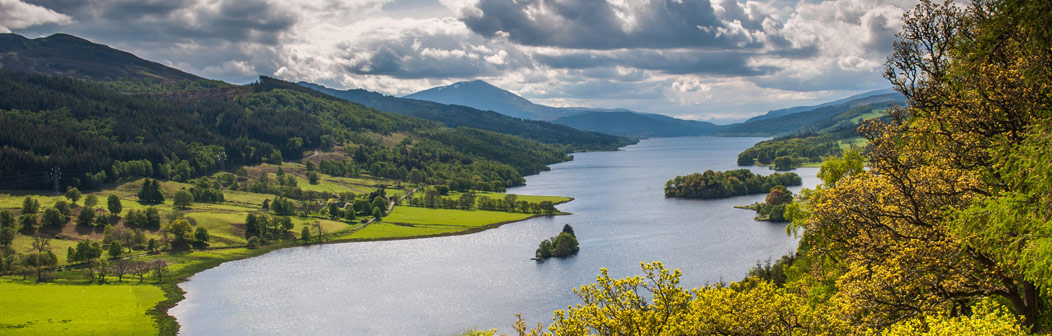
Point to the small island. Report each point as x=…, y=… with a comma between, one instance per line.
x=714, y=184
x=563, y=245
x=773, y=208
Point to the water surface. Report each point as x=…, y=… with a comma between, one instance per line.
x=446, y=285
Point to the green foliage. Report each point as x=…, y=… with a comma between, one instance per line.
x=201, y=236
x=54, y=219
x=183, y=199
x=563, y=245
x=91, y=201
x=712, y=184
x=150, y=192
x=30, y=205
x=793, y=150
x=73, y=194
x=181, y=232
x=86, y=217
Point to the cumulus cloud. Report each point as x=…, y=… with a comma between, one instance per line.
x=606, y=24
x=15, y=14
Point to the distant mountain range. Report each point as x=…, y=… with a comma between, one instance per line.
x=798, y=109
x=627, y=123
x=463, y=116
x=484, y=96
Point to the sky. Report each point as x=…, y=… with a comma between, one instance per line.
x=715, y=60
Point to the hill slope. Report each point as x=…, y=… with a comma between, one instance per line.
x=637, y=124
x=71, y=56
x=814, y=120
x=92, y=129
x=463, y=116
x=798, y=109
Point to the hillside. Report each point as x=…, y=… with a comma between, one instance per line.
x=634, y=124
x=819, y=119
x=484, y=96
x=87, y=128
x=798, y=109
x=71, y=56
x=463, y=116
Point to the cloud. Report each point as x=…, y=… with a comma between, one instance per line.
x=606, y=24
x=692, y=58
x=15, y=14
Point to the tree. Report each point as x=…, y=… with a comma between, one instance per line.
x=305, y=234
x=91, y=201
x=42, y=258
x=7, y=236
x=63, y=208
x=183, y=199
x=312, y=177
x=415, y=176
x=30, y=206
x=113, y=204
x=7, y=219
x=953, y=207
x=334, y=210
x=783, y=163
x=115, y=250
x=201, y=236
x=150, y=192
x=348, y=213
x=73, y=194
x=160, y=268
x=181, y=232
x=779, y=195
x=377, y=214
x=28, y=224
x=54, y=219
x=310, y=165
x=86, y=216
x=568, y=229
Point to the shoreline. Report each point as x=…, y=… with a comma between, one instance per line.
x=168, y=325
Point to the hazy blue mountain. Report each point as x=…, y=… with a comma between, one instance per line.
x=463, y=116
x=827, y=118
x=635, y=124
x=798, y=109
x=71, y=56
x=484, y=96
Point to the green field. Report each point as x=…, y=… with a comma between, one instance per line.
x=416, y=222
x=53, y=309
x=68, y=305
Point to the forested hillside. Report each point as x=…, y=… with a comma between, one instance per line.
x=107, y=109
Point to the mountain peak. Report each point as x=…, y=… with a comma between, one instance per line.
x=488, y=97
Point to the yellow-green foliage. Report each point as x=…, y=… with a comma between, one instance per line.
x=52, y=309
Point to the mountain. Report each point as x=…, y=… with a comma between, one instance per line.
x=463, y=116
x=484, y=96
x=633, y=124
x=827, y=118
x=71, y=56
x=71, y=110
x=798, y=109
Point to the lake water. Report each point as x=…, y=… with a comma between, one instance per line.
x=447, y=285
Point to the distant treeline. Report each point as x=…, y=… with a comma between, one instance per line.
x=714, y=184
x=790, y=152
